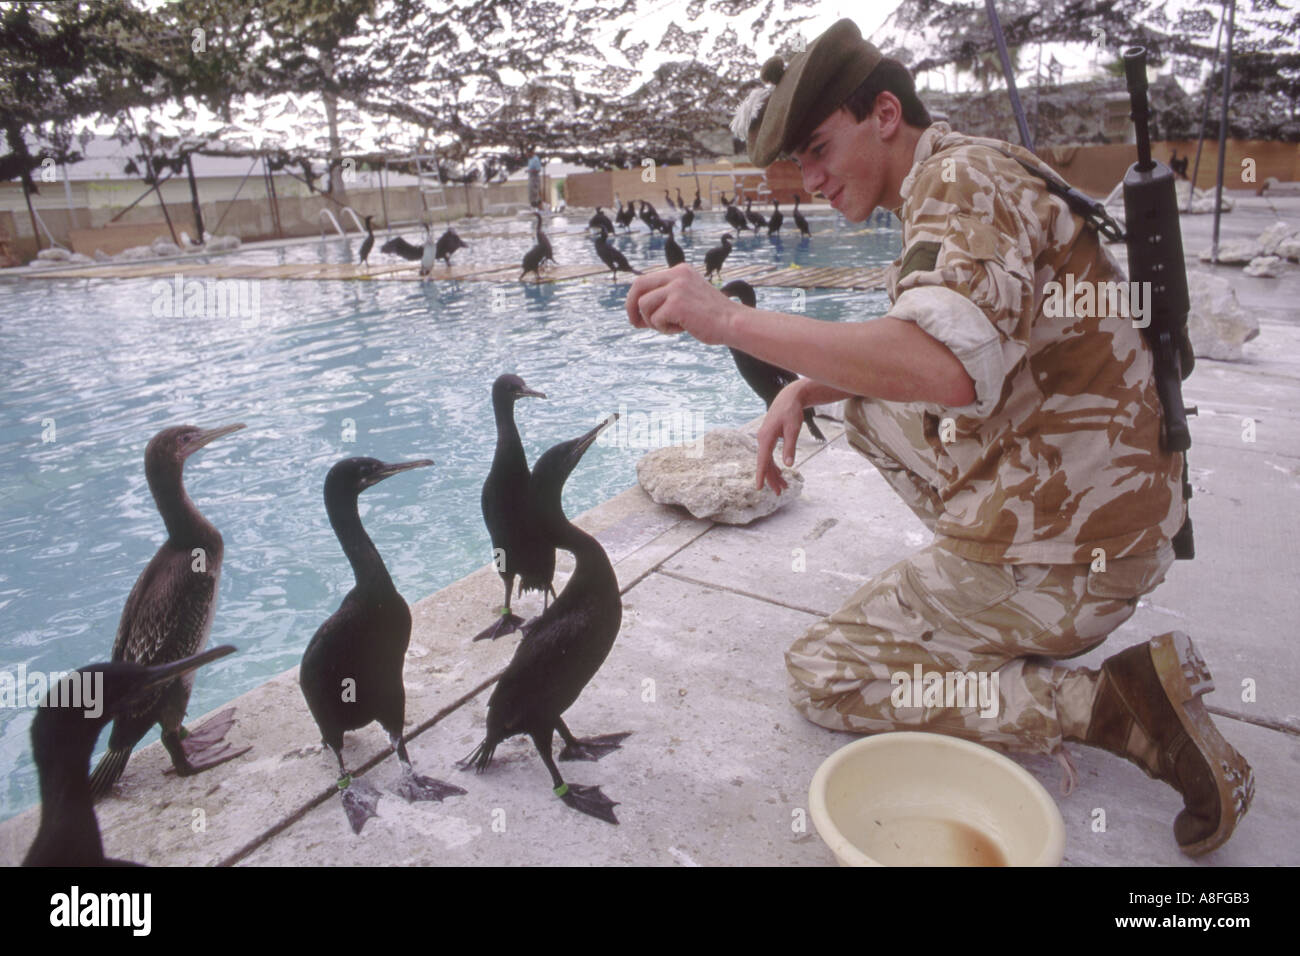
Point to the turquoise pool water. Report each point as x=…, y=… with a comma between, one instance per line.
x=91, y=369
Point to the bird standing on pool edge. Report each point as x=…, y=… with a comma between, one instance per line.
x=351, y=672
x=168, y=615
x=561, y=650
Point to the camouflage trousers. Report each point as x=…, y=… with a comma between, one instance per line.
x=944, y=644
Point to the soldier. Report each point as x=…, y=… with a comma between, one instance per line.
x=1029, y=444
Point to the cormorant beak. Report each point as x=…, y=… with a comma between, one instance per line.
x=163, y=673
x=392, y=469
x=582, y=444
x=531, y=393
x=212, y=435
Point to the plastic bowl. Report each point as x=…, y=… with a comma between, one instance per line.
x=916, y=799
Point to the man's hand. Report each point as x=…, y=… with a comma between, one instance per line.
x=783, y=420
x=681, y=300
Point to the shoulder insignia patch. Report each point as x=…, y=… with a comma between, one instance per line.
x=921, y=257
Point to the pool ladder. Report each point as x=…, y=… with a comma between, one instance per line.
x=333, y=220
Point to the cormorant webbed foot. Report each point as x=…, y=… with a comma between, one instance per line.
x=505, y=624
x=414, y=787
x=202, y=749
x=589, y=800
x=593, y=748
x=360, y=800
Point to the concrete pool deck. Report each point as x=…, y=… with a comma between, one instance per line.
x=717, y=769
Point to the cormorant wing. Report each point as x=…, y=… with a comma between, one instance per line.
x=167, y=612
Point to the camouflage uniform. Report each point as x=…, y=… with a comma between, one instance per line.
x=1054, y=469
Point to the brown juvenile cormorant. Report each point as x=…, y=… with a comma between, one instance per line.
x=448, y=243
x=601, y=221
x=351, y=672
x=519, y=549
x=715, y=257
x=63, y=738
x=168, y=616
x=368, y=244
x=397, y=246
x=799, y=220
x=612, y=257
x=561, y=650
x=735, y=218
x=672, y=251
x=764, y=378
x=755, y=219
x=774, y=223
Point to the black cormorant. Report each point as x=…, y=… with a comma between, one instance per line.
x=168, y=616
x=519, y=549
x=681, y=203
x=688, y=217
x=351, y=672
x=774, y=223
x=448, y=243
x=650, y=216
x=561, y=650
x=764, y=378
x=612, y=257
x=397, y=246
x=368, y=244
x=755, y=219
x=545, y=243
x=63, y=738
x=735, y=218
x=715, y=257
x=533, y=260
x=625, y=215
x=601, y=221
x=669, y=199
x=799, y=220
x=672, y=251
x=698, y=204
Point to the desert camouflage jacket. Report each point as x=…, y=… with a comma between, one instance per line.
x=1060, y=452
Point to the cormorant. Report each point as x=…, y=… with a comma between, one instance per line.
x=681, y=203
x=533, y=260
x=669, y=199
x=561, y=650
x=764, y=378
x=625, y=216
x=698, y=204
x=688, y=217
x=397, y=246
x=448, y=243
x=518, y=547
x=735, y=218
x=755, y=219
x=774, y=224
x=351, y=672
x=601, y=221
x=427, y=255
x=650, y=216
x=63, y=738
x=714, y=258
x=544, y=242
x=168, y=615
x=799, y=220
x=672, y=251
x=612, y=257
x=368, y=244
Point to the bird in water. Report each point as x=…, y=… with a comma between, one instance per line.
x=544, y=242
x=612, y=257
x=650, y=216
x=624, y=216
x=397, y=246
x=698, y=204
x=755, y=219
x=368, y=244
x=669, y=199
x=561, y=650
x=427, y=255
x=168, y=615
x=799, y=220
x=735, y=218
x=688, y=217
x=63, y=737
x=601, y=221
x=681, y=203
x=519, y=549
x=672, y=251
x=533, y=260
x=448, y=243
x=774, y=223
x=351, y=672
x=715, y=257
x=764, y=378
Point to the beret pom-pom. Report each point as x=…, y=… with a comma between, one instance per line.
x=773, y=70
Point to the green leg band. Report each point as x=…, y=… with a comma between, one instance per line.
x=345, y=781
x=562, y=789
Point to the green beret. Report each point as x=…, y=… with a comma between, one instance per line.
x=814, y=85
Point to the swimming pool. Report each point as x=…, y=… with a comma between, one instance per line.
x=91, y=369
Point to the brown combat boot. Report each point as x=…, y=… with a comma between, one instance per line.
x=1148, y=710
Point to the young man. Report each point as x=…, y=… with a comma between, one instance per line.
x=1028, y=442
